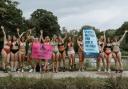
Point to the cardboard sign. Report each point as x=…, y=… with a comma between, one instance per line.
x=46, y=52
x=91, y=48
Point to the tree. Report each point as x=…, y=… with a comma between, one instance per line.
x=110, y=33
x=46, y=21
x=10, y=16
x=97, y=31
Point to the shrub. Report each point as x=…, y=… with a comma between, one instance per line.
x=67, y=83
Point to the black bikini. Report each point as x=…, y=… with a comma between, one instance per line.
x=14, y=50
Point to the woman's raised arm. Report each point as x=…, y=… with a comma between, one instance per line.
x=2, y=27
x=122, y=37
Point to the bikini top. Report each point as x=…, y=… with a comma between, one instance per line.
x=29, y=46
x=22, y=44
x=81, y=44
x=54, y=43
x=15, y=45
x=101, y=44
x=8, y=43
x=70, y=44
x=115, y=44
x=108, y=45
x=61, y=44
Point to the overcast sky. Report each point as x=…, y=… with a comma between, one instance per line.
x=103, y=14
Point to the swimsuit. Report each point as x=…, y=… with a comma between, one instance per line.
x=55, y=47
x=7, y=47
x=79, y=50
x=22, y=48
x=61, y=47
x=100, y=46
x=29, y=49
x=115, y=46
x=70, y=49
x=14, y=47
x=108, y=48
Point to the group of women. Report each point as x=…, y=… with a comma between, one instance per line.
x=110, y=48
x=17, y=49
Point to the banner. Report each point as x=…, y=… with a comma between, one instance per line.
x=91, y=48
x=46, y=52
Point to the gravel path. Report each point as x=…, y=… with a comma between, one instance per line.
x=91, y=74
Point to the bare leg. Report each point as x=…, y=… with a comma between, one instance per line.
x=120, y=61
x=8, y=60
x=63, y=56
x=116, y=62
x=103, y=61
x=16, y=57
x=12, y=62
x=57, y=63
x=108, y=58
x=53, y=62
x=4, y=58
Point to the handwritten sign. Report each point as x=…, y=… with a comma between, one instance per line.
x=91, y=48
x=46, y=52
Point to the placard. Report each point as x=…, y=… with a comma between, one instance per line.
x=91, y=48
x=46, y=52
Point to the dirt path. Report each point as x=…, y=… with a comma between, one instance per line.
x=92, y=74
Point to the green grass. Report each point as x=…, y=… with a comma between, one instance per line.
x=68, y=83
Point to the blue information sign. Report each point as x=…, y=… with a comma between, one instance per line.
x=91, y=48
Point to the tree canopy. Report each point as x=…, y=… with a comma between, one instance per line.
x=45, y=20
x=10, y=15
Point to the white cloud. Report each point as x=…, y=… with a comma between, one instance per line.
x=103, y=14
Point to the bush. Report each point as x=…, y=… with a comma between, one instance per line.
x=67, y=83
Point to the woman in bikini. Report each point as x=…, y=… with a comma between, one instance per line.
x=108, y=53
x=29, y=50
x=36, y=53
x=47, y=49
x=100, y=58
x=80, y=53
x=14, y=53
x=117, y=53
x=55, y=54
x=22, y=51
x=71, y=53
x=6, y=50
x=62, y=53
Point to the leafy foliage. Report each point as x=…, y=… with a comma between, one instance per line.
x=10, y=16
x=67, y=83
x=46, y=21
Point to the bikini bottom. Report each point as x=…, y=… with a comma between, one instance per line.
x=14, y=51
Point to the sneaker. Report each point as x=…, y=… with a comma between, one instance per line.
x=99, y=70
x=121, y=71
x=14, y=70
x=18, y=71
x=5, y=71
x=109, y=70
x=22, y=70
x=105, y=70
x=31, y=70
